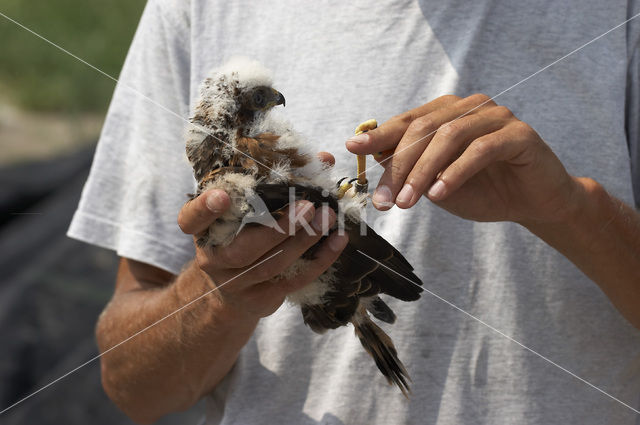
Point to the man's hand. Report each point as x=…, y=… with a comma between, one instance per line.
x=478, y=161
x=471, y=157
x=171, y=365
x=251, y=290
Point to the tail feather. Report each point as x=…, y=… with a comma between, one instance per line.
x=381, y=310
x=379, y=345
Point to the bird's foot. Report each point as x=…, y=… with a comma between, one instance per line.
x=343, y=187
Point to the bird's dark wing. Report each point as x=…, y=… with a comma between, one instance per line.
x=277, y=195
x=379, y=263
x=368, y=266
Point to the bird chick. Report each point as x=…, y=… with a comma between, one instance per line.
x=237, y=145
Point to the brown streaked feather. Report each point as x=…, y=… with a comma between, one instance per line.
x=209, y=157
x=264, y=146
x=205, y=156
x=378, y=344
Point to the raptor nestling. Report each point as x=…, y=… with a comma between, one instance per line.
x=237, y=145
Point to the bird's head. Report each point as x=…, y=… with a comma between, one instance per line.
x=241, y=88
x=260, y=98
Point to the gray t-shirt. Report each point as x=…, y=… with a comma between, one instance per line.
x=339, y=63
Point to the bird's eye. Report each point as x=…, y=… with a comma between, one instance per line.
x=258, y=99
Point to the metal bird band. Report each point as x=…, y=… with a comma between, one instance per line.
x=360, y=183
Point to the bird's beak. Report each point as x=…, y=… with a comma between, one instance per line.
x=278, y=98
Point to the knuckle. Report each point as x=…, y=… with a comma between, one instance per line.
x=422, y=125
x=418, y=174
x=396, y=169
x=502, y=111
x=522, y=128
x=449, y=98
x=484, y=146
x=449, y=130
x=480, y=98
x=405, y=118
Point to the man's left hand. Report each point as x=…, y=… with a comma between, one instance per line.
x=471, y=157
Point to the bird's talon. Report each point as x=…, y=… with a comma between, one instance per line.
x=340, y=181
x=343, y=189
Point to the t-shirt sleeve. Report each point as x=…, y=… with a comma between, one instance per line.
x=633, y=97
x=140, y=175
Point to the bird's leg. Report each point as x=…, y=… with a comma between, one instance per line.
x=359, y=183
x=362, y=185
x=343, y=187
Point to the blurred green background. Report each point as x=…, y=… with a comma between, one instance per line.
x=36, y=76
x=50, y=103
x=52, y=288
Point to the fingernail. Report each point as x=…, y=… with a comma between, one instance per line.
x=214, y=202
x=382, y=197
x=359, y=139
x=437, y=190
x=337, y=242
x=405, y=195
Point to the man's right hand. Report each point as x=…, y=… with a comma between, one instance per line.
x=156, y=372
x=255, y=291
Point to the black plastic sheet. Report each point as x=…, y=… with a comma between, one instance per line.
x=52, y=290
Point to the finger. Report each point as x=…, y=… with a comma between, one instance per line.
x=387, y=135
x=272, y=293
x=482, y=152
x=292, y=248
x=253, y=242
x=327, y=158
x=412, y=145
x=199, y=213
x=325, y=256
x=448, y=143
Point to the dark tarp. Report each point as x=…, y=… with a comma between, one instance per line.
x=51, y=292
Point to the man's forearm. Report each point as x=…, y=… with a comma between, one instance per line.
x=603, y=240
x=169, y=366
